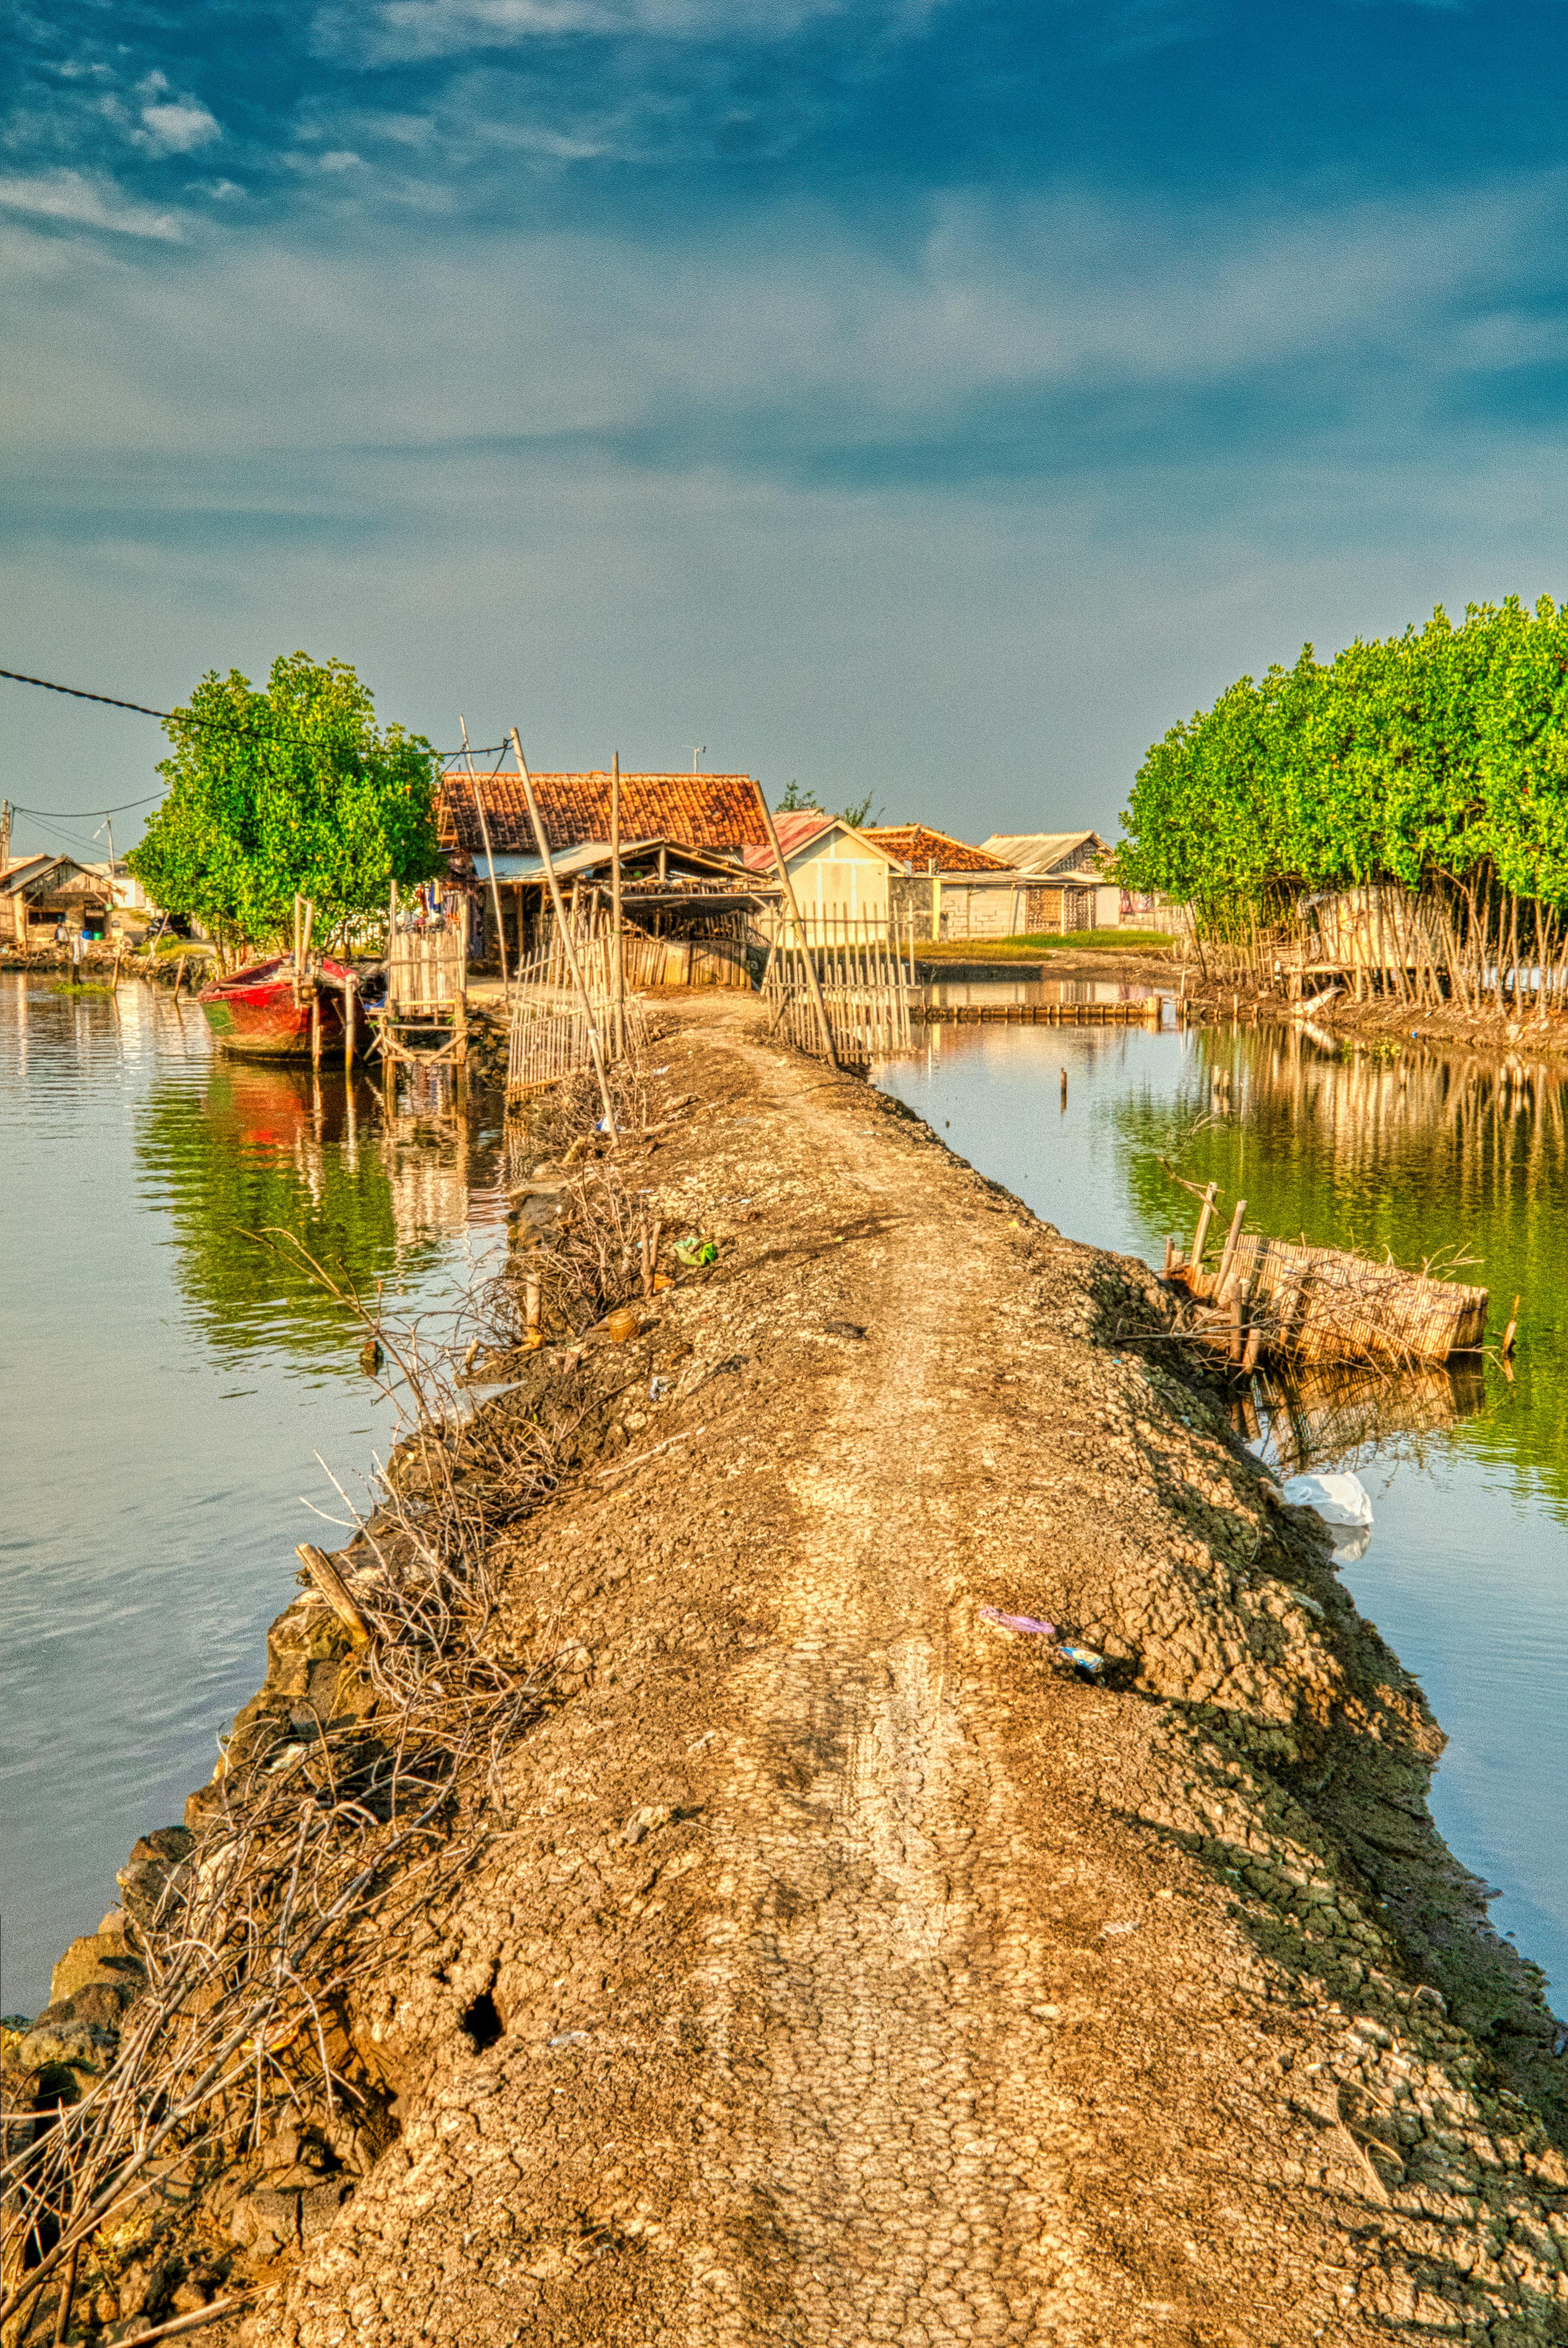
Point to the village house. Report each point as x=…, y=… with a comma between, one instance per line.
x=838, y=873
x=949, y=889
x=683, y=842
x=1064, y=880
x=43, y=893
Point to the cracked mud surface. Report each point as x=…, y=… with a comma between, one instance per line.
x=850, y=1972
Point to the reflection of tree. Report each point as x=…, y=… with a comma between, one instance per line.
x=265, y=1147
x=1422, y=1156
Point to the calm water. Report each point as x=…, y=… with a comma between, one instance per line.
x=168, y=1383
x=1467, y=1573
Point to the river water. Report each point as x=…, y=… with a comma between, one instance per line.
x=1467, y=1572
x=168, y=1384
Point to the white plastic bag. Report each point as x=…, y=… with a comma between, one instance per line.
x=1341, y=1499
x=1343, y=1504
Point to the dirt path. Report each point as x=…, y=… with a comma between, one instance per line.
x=850, y=1973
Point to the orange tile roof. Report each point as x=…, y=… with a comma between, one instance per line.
x=703, y=810
x=916, y=845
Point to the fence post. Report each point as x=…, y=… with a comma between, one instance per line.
x=567, y=940
x=788, y=887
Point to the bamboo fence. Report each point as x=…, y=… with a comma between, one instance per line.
x=552, y=1020
x=865, y=967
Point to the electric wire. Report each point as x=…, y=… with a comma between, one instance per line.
x=144, y=709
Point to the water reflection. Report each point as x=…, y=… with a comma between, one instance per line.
x=1342, y=1416
x=172, y=1388
x=1407, y=1151
x=1423, y=1153
x=373, y=1192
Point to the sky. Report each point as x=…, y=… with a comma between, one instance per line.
x=931, y=398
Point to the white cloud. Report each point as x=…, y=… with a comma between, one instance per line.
x=408, y=30
x=176, y=125
x=87, y=202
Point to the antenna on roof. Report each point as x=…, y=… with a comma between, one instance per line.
x=699, y=751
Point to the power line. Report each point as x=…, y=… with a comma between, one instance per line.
x=75, y=692
x=84, y=815
x=141, y=709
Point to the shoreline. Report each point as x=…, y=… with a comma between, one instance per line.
x=824, y=1862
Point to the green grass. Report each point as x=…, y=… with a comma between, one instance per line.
x=1030, y=948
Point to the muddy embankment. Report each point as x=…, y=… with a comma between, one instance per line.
x=802, y=1959
x=1380, y=1018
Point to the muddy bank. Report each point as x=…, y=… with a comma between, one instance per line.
x=1381, y=1019
x=831, y=1965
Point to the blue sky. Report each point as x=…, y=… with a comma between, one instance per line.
x=933, y=399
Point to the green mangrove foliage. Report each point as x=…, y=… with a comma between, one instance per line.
x=293, y=790
x=1428, y=771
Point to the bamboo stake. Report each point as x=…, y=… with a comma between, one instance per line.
x=568, y=942
x=333, y=1589
x=1232, y=1236
x=1201, y=1234
x=617, y=949
x=788, y=887
x=489, y=860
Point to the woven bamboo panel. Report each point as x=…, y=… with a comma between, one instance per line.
x=1327, y=1306
x=425, y=970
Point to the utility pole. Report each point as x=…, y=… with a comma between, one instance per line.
x=699, y=751
x=5, y=833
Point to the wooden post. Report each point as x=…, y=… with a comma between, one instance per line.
x=1201, y=1234
x=812, y=981
x=315, y=1027
x=617, y=950
x=1232, y=1236
x=568, y=942
x=348, y=1007
x=489, y=860
x=1236, y=1323
x=335, y=1589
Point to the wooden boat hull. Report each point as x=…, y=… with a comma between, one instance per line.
x=261, y=1015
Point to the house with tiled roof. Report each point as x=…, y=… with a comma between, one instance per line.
x=713, y=811
x=952, y=890
x=920, y=849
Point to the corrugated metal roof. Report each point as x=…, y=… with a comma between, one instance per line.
x=916, y=845
x=1043, y=853
x=701, y=810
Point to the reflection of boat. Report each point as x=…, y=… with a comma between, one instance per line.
x=265, y=1011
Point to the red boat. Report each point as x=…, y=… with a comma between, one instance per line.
x=264, y=1013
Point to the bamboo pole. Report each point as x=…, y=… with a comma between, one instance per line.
x=788, y=888
x=568, y=942
x=617, y=950
x=1201, y=1234
x=489, y=860
x=1232, y=1236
